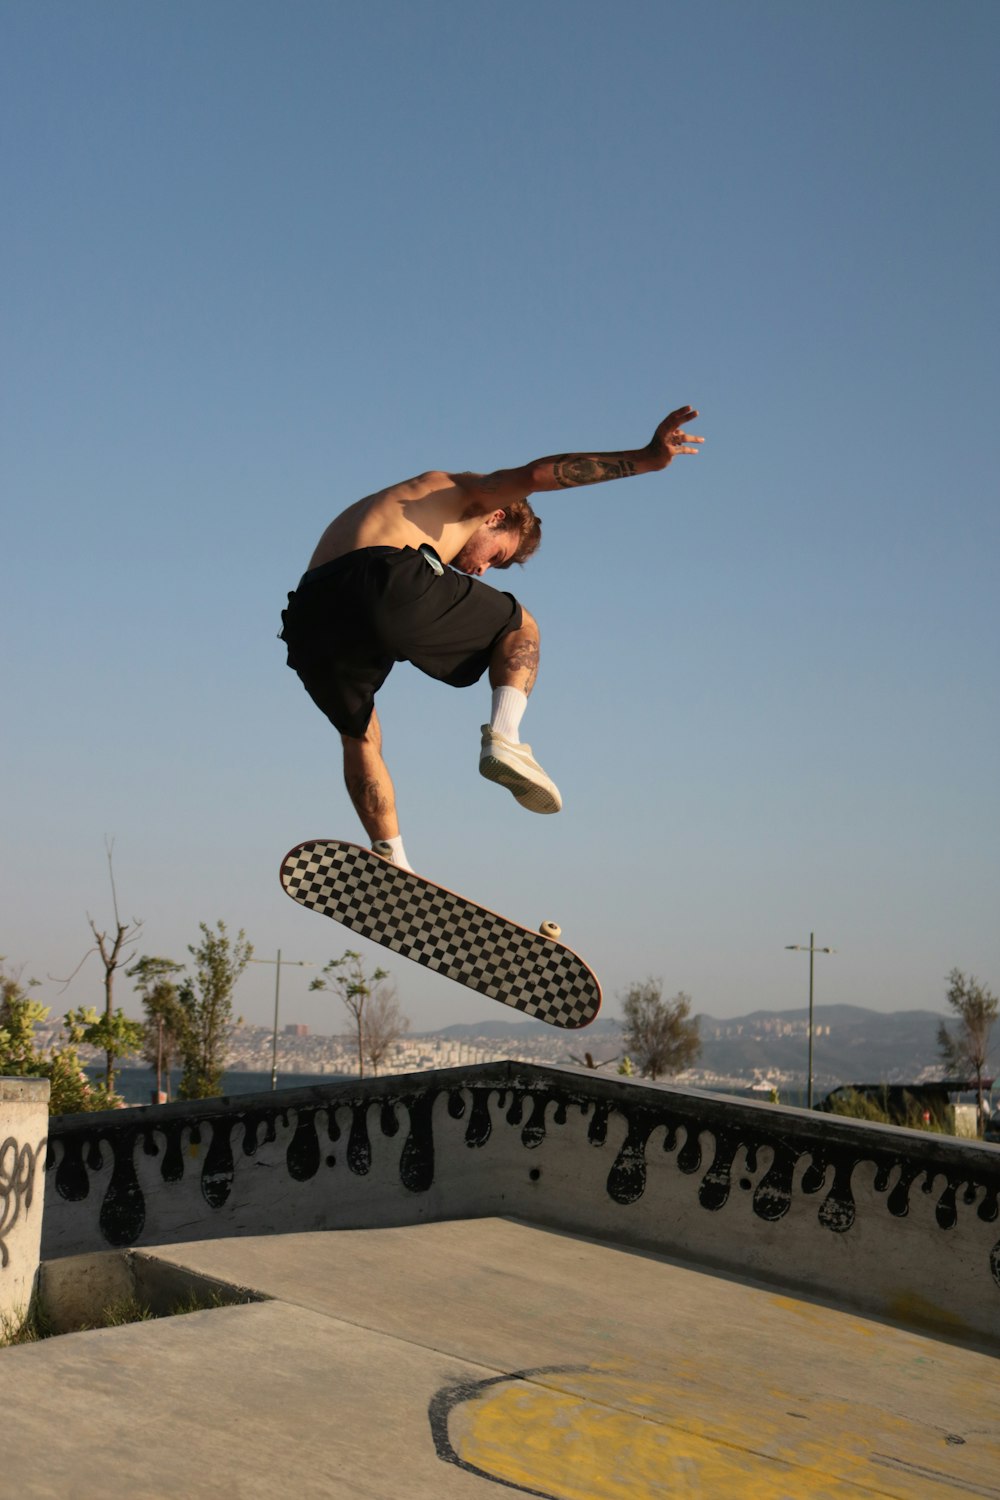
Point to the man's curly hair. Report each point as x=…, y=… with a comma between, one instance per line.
x=519, y=517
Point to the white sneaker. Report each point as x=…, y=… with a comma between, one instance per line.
x=514, y=767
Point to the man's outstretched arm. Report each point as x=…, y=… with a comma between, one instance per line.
x=564, y=471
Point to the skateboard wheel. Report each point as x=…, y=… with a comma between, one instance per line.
x=550, y=929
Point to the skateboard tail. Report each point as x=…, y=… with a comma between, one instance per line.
x=443, y=931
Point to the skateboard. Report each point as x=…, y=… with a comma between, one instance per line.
x=434, y=927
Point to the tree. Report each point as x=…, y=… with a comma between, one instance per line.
x=166, y=1019
x=70, y=1090
x=384, y=1024
x=658, y=1034
x=207, y=1008
x=19, y=1015
x=966, y=1050
x=111, y=1033
x=371, y=1004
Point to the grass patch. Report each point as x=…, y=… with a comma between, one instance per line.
x=195, y=1303
x=122, y=1311
x=24, y=1327
x=34, y=1325
x=862, y=1106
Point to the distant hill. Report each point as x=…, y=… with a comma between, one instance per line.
x=464, y=1031
x=851, y=1044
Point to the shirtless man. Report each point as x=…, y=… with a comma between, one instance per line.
x=395, y=578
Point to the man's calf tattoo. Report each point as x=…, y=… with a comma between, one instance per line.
x=366, y=796
x=523, y=657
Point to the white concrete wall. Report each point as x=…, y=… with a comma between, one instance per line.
x=24, y=1117
x=896, y=1222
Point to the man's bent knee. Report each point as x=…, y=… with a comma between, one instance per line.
x=370, y=739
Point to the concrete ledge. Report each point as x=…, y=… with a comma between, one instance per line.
x=898, y=1223
x=24, y=1090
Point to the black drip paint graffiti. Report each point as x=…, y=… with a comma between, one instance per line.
x=17, y=1185
x=703, y=1146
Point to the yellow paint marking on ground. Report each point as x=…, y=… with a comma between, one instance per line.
x=916, y=1311
x=819, y=1315
x=610, y=1435
x=908, y=1308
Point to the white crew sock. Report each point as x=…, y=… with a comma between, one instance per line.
x=398, y=852
x=509, y=704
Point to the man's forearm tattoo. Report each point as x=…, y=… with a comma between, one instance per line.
x=580, y=468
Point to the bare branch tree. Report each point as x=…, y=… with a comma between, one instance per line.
x=384, y=1024
x=114, y=950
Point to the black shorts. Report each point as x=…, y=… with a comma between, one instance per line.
x=350, y=620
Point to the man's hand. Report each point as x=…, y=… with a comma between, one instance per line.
x=669, y=439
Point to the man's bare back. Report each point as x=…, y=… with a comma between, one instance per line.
x=431, y=507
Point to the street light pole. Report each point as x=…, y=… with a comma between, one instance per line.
x=297, y=963
x=812, y=950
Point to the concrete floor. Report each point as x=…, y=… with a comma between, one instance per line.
x=486, y=1357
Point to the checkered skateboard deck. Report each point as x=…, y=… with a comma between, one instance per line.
x=442, y=931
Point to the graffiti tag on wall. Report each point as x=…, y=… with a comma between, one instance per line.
x=17, y=1184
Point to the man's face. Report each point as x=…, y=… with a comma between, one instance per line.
x=486, y=548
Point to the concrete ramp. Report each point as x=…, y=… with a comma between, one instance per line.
x=478, y=1358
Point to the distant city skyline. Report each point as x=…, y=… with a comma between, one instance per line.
x=851, y=1045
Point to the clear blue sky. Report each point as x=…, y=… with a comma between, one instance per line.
x=259, y=259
